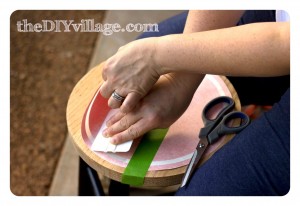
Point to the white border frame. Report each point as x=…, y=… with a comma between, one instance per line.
x=7, y=198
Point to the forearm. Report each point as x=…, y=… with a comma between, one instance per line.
x=260, y=49
x=204, y=20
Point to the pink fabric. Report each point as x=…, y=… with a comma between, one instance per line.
x=181, y=139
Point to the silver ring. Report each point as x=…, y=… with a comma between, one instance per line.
x=117, y=97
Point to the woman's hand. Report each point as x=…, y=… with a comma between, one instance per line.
x=164, y=104
x=131, y=73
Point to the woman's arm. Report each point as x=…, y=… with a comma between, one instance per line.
x=258, y=49
x=132, y=72
x=199, y=21
x=174, y=90
x=204, y=20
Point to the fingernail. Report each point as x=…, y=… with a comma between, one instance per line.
x=113, y=141
x=105, y=133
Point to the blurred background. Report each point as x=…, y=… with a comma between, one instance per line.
x=44, y=68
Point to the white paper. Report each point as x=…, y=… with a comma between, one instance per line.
x=102, y=144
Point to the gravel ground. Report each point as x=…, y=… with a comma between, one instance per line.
x=44, y=69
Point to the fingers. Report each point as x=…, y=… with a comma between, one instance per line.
x=105, y=90
x=136, y=130
x=104, y=70
x=115, y=118
x=119, y=123
x=130, y=102
x=114, y=103
x=116, y=99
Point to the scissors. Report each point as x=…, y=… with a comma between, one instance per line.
x=214, y=128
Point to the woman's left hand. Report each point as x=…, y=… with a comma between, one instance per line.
x=131, y=73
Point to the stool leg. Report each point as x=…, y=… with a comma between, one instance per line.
x=89, y=182
x=118, y=189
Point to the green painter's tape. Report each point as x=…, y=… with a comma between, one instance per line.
x=140, y=161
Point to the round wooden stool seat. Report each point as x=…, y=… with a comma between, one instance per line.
x=84, y=91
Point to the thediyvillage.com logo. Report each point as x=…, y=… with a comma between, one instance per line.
x=85, y=25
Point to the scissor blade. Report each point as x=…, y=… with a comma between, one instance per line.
x=194, y=160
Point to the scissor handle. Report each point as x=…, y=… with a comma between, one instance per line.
x=210, y=123
x=224, y=127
